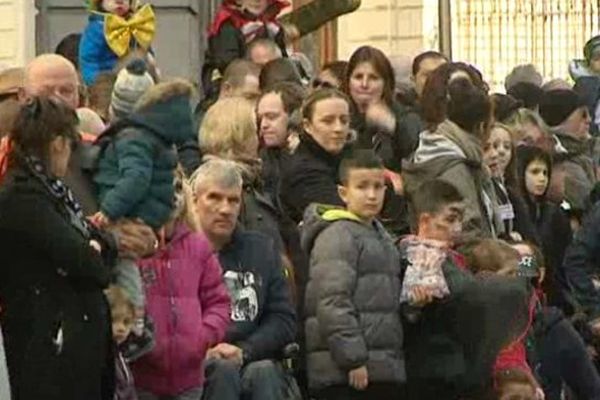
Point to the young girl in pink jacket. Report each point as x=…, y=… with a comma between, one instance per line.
x=186, y=298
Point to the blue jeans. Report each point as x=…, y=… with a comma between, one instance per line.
x=260, y=380
x=192, y=394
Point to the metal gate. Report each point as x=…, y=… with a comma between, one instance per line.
x=497, y=35
x=181, y=31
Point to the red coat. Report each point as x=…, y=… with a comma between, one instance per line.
x=186, y=298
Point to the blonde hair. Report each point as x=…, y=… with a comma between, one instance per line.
x=229, y=130
x=187, y=214
x=523, y=116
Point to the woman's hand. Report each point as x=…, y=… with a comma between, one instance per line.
x=359, y=378
x=379, y=114
x=100, y=219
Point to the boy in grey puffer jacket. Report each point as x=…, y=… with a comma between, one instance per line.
x=353, y=327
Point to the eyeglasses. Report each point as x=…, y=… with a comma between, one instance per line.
x=321, y=84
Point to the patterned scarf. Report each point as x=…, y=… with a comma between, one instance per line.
x=60, y=192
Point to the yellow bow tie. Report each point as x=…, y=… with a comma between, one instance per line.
x=118, y=31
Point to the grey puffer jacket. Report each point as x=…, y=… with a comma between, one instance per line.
x=352, y=315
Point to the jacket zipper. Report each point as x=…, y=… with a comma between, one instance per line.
x=173, y=310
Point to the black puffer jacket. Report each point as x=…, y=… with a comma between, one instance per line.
x=352, y=300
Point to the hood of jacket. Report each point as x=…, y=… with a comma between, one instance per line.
x=440, y=150
x=317, y=217
x=579, y=69
x=165, y=109
x=566, y=143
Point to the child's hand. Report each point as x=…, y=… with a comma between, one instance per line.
x=99, y=219
x=420, y=296
x=96, y=246
x=359, y=378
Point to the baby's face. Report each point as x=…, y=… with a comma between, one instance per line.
x=118, y=7
x=518, y=391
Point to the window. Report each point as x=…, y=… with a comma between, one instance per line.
x=497, y=35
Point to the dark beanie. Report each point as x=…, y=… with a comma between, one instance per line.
x=528, y=93
x=557, y=105
x=505, y=106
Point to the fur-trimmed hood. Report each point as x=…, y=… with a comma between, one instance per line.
x=166, y=110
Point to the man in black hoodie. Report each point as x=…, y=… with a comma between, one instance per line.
x=263, y=320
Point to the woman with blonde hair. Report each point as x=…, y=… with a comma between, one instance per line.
x=529, y=129
x=229, y=132
x=499, y=155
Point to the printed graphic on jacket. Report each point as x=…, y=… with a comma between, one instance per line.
x=244, y=300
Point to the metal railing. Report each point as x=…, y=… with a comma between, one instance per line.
x=496, y=35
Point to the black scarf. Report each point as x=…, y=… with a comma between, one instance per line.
x=60, y=192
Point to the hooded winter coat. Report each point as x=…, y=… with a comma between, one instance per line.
x=189, y=304
x=352, y=300
x=579, y=168
x=581, y=264
x=135, y=171
x=455, y=156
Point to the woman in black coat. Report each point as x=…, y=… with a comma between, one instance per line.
x=381, y=123
x=55, y=321
x=311, y=175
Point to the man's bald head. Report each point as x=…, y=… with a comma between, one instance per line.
x=52, y=75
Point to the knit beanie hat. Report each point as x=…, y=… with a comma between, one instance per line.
x=528, y=93
x=591, y=47
x=132, y=82
x=557, y=105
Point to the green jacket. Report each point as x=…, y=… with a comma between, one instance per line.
x=136, y=170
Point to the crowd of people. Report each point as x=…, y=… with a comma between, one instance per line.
x=295, y=233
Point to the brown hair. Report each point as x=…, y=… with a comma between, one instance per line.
x=337, y=68
x=278, y=70
x=236, y=72
x=40, y=121
x=308, y=107
x=489, y=255
x=427, y=55
x=463, y=101
x=380, y=63
x=292, y=95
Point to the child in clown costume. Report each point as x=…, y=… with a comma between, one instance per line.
x=239, y=22
x=114, y=28
x=236, y=24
